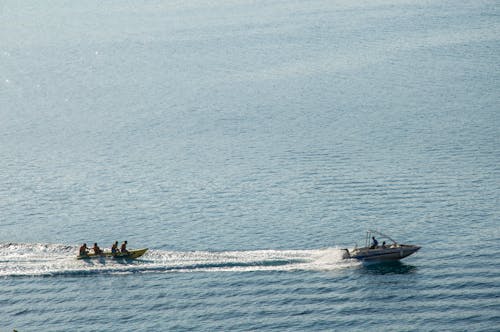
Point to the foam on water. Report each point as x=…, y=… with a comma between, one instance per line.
x=24, y=259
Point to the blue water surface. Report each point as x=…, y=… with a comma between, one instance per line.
x=245, y=143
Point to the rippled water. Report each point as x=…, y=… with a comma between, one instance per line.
x=246, y=143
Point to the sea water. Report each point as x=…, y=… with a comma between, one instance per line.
x=245, y=143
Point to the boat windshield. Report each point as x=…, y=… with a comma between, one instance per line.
x=376, y=234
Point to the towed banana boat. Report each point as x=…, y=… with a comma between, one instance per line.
x=380, y=253
x=131, y=254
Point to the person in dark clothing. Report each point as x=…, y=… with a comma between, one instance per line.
x=84, y=250
x=124, y=248
x=374, y=243
x=97, y=250
x=114, y=248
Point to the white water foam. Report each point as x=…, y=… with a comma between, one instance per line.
x=21, y=259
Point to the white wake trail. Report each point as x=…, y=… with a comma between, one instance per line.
x=24, y=259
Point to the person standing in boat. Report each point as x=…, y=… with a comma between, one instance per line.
x=97, y=250
x=84, y=250
x=123, y=249
x=114, y=248
x=374, y=243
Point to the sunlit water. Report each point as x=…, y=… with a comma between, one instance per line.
x=246, y=143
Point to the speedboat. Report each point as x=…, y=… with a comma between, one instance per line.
x=384, y=252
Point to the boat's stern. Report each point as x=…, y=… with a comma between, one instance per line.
x=345, y=253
